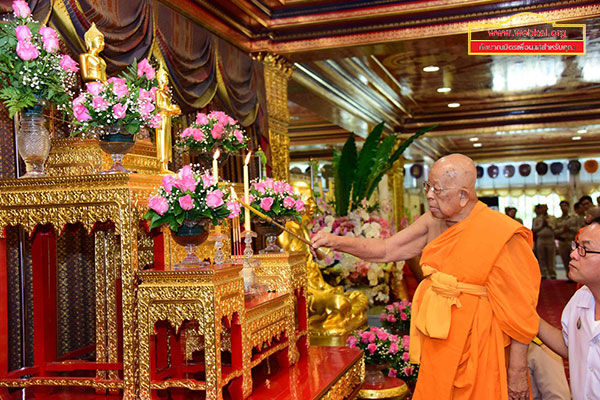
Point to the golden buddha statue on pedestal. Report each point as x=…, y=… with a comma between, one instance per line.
x=166, y=110
x=93, y=67
x=332, y=313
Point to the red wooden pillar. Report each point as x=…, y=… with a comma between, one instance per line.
x=236, y=386
x=43, y=255
x=159, y=251
x=301, y=312
x=3, y=309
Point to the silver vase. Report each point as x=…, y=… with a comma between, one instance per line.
x=33, y=141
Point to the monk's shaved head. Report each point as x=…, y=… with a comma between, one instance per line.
x=458, y=169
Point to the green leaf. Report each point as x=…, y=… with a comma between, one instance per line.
x=344, y=175
x=396, y=154
x=365, y=163
x=379, y=165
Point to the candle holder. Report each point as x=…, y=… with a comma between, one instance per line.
x=251, y=284
x=218, y=238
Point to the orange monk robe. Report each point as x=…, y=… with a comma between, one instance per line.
x=492, y=250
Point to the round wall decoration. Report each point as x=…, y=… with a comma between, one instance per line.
x=524, y=169
x=541, y=168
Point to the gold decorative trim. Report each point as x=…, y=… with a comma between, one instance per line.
x=348, y=382
x=399, y=392
x=80, y=382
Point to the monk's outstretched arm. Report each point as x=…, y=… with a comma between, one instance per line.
x=403, y=245
x=553, y=338
x=518, y=387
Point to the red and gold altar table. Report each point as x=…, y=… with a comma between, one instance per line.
x=109, y=206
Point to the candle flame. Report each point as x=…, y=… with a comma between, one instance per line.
x=248, y=158
x=217, y=154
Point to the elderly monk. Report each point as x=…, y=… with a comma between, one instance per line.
x=480, y=293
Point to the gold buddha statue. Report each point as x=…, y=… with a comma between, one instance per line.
x=166, y=110
x=93, y=67
x=332, y=313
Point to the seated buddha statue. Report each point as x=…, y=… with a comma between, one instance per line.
x=331, y=311
x=166, y=110
x=93, y=67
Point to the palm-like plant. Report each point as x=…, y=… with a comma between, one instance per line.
x=357, y=174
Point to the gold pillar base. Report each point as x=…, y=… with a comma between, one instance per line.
x=393, y=389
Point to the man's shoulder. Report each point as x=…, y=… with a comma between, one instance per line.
x=582, y=297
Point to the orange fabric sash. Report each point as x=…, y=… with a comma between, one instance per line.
x=432, y=317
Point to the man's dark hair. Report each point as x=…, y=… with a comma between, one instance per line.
x=586, y=197
x=564, y=202
x=576, y=205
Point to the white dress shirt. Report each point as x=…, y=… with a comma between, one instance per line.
x=582, y=336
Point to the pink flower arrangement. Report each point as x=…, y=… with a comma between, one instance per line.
x=213, y=130
x=380, y=346
x=32, y=66
x=127, y=101
x=396, y=316
x=190, y=195
x=276, y=198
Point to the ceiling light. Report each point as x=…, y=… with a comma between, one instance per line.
x=582, y=131
x=477, y=145
x=576, y=138
x=431, y=68
x=454, y=105
x=474, y=139
x=444, y=90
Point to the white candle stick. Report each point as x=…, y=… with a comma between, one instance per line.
x=246, y=193
x=215, y=166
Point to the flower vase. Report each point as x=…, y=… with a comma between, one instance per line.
x=191, y=234
x=117, y=142
x=270, y=232
x=33, y=140
x=374, y=377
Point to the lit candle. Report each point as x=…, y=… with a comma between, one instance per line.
x=330, y=195
x=216, y=166
x=246, y=193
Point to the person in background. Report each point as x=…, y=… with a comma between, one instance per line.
x=544, y=226
x=566, y=229
x=579, y=339
x=580, y=214
x=586, y=202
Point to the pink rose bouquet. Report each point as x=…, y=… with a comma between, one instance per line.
x=32, y=68
x=379, y=345
x=401, y=367
x=126, y=100
x=396, y=316
x=276, y=199
x=190, y=195
x=213, y=130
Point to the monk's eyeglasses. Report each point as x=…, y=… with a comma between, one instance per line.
x=582, y=251
x=427, y=186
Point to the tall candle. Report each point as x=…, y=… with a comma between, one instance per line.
x=246, y=194
x=321, y=193
x=216, y=165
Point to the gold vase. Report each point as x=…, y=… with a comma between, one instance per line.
x=33, y=140
x=117, y=142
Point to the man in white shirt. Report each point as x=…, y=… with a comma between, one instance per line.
x=580, y=338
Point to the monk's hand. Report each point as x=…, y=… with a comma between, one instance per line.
x=322, y=239
x=518, y=387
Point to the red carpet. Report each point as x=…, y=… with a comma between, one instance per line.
x=554, y=296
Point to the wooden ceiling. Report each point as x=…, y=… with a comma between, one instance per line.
x=361, y=62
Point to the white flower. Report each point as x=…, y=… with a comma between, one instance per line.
x=371, y=230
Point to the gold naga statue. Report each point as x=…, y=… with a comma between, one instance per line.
x=93, y=67
x=166, y=110
x=332, y=313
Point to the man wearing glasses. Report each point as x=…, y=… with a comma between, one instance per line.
x=479, y=295
x=579, y=340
